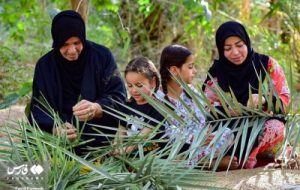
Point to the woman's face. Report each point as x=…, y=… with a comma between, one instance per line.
x=188, y=71
x=138, y=82
x=71, y=49
x=235, y=50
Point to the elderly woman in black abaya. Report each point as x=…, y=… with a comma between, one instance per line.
x=238, y=68
x=78, y=78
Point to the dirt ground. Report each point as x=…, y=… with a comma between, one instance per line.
x=259, y=179
x=10, y=116
x=14, y=112
x=254, y=179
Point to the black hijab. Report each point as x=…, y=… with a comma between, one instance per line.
x=65, y=25
x=238, y=77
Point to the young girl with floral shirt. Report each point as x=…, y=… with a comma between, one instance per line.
x=177, y=62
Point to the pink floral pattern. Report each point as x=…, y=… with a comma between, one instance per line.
x=272, y=135
x=279, y=81
x=277, y=78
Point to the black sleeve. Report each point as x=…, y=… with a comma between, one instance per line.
x=38, y=112
x=123, y=121
x=160, y=118
x=157, y=116
x=114, y=88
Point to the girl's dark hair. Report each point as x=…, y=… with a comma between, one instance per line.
x=172, y=55
x=144, y=66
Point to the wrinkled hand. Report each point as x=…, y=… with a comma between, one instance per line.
x=86, y=110
x=67, y=130
x=255, y=101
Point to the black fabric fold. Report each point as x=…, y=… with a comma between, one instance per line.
x=101, y=83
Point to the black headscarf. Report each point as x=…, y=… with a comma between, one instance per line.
x=65, y=25
x=238, y=77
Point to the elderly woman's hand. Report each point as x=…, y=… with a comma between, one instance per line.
x=86, y=110
x=255, y=101
x=67, y=130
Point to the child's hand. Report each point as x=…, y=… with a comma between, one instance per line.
x=124, y=150
x=129, y=149
x=233, y=112
x=209, y=139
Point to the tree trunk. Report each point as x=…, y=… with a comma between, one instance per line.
x=245, y=10
x=273, y=19
x=82, y=7
x=147, y=31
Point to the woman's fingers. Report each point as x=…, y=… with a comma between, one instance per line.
x=84, y=110
x=253, y=101
x=72, y=137
x=81, y=105
x=81, y=108
x=85, y=117
x=68, y=130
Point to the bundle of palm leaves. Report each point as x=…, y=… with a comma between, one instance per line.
x=165, y=168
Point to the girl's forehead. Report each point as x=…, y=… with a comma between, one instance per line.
x=135, y=76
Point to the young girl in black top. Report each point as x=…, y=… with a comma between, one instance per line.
x=142, y=78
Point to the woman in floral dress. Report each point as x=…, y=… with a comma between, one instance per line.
x=239, y=68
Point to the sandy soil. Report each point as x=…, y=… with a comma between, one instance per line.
x=11, y=115
x=259, y=179
x=10, y=118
